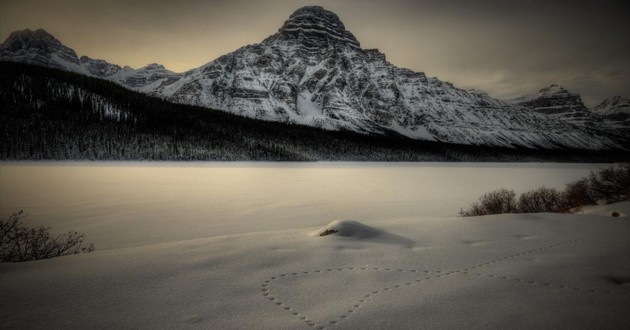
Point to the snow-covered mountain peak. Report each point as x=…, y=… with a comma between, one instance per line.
x=28, y=39
x=553, y=91
x=553, y=88
x=616, y=113
x=314, y=26
x=99, y=68
x=556, y=91
x=557, y=101
x=153, y=67
x=613, y=105
x=41, y=48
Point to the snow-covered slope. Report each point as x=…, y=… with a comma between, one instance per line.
x=559, y=103
x=40, y=48
x=612, y=114
x=232, y=246
x=616, y=112
x=314, y=72
x=613, y=105
x=146, y=79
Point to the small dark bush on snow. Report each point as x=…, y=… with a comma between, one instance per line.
x=542, y=199
x=19, y=243
x=495, y=202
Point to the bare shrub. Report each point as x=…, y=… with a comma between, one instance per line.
x=19, y=243
x=576, y=195
x=495, y=202
x=543, y=199
x=611, y=184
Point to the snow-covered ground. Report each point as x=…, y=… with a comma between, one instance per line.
x=237, y=246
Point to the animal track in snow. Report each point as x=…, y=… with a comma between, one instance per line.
x=415, y=277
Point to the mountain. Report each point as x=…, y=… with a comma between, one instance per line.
x=615, y=112
x=612, y=115
x=314, y=72
x=53, y=114
x=612, y=106
x=557, y=102
x=41, y=48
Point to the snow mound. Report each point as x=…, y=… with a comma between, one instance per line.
x=349, y=228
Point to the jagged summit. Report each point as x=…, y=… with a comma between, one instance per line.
x=613, y=105
x=557, y=101
x=41, y=48
x=40, y=36
x=551, y=91
x=555, y=95
x=153, y=66
x=38, y=47
x=99, y=68
x=315, y=27
x=616, y=113
x=553, y=88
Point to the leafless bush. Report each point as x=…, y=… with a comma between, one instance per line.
x=576, y=195
x=19, y=243
x=495, y=202
x=542, y=199
x=611, y=184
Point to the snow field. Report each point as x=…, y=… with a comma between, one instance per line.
x=408, y=271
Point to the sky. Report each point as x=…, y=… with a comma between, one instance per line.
x=505, y=48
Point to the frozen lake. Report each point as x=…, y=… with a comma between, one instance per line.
x=123, y=204
x=237, y=246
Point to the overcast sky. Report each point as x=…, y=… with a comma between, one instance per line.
x=506, y=48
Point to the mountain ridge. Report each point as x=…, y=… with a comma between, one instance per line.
x=53, y=114
x=313, y=72
x=558, y=102
x=615, y=111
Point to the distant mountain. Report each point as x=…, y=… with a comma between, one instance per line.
x=314, y=72
x=612, y=106
x=612, y=115
x=559, y=103
x=615, y=111
x=41, y=48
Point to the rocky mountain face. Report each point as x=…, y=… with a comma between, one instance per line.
x=611, y=115
x=613, y=105
x=615, y=111
x=39, y=48
x=557, y=102
x=145, y=79
x=314, y=72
